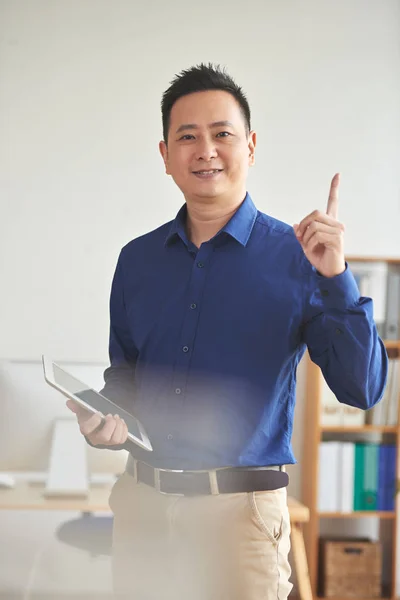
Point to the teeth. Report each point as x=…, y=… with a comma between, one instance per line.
x=214, y=171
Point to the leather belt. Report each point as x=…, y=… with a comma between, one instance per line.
x=227, y=480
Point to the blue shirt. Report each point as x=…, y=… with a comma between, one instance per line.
x=204, y=342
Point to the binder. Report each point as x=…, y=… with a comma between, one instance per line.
x=392, y=306
x=372, y=281
x=347, y=476
x=328, y=476
x=370, y=479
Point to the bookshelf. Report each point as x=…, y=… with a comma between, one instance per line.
x=316, y=432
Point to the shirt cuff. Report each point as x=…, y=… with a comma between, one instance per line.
x=340, y=291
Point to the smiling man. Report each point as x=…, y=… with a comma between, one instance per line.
x=210, y=315
x=208, y=157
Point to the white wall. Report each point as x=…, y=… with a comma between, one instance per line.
x=80, y=174
x=80, y=90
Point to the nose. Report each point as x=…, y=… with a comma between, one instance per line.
x=206, y=150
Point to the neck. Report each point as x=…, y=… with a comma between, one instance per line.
x=205, y=220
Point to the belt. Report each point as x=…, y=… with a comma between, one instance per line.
x=226, y=480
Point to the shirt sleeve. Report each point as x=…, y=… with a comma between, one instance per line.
x=119, y=377
x=342, y=339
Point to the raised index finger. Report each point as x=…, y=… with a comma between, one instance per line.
x=333, y=200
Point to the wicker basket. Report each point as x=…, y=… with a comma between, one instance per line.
x=350, y=568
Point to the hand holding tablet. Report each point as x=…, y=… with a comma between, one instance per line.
x=106, y=431
x=100, y=420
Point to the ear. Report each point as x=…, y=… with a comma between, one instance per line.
x=164, y=153
x=252, y=147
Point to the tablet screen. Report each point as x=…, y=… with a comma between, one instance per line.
x=94, y=399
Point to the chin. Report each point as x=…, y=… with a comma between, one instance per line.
x=208, y=191
x=207, y=194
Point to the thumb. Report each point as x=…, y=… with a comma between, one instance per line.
x=72, y=406
x=79, y=411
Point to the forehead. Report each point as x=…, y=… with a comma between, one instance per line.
x=206, y=107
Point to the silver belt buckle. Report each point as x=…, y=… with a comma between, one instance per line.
x=135, y=470
x=212, y=476
x=157, y=482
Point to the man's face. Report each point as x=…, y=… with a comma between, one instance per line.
x=209, y=151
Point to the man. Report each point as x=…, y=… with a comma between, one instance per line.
x=210, y=315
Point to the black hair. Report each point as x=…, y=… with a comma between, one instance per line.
x=200, y=78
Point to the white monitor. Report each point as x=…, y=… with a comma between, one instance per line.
x=29, y=409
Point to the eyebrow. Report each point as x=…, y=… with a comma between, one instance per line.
x=187, y=126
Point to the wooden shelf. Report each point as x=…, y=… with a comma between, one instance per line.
x=392, y=343
x=358, y=514
x=391, y=260
x=358, y=598
x=359, y=429
x=314, y=433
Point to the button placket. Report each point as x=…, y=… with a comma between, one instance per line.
x=191, y=318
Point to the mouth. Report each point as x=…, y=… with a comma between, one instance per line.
x=207, y=173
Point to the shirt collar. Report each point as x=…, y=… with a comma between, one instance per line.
x=239, y=226
x=177, y=228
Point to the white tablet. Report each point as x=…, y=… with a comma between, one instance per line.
x=93, y=401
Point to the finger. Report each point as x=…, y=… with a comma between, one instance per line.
x=332, y=208
x=125, y=432
x=114, y=439
x=320, y=238
x=72, y=406
x=120, y=433
x=89, y=426
x=80, y=412
x=106, y=432
x=318, y=216
x=315, y=227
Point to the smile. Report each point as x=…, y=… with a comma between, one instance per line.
x=207, y=173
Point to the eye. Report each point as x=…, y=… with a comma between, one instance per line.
x=223, y=133
x=186, y=137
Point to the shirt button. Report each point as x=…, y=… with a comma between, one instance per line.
x=338, y=331
x=170, y=437
x=193, y=305
x=200, y=265
x=325, y=292
x=185, y=348
x=178, y=391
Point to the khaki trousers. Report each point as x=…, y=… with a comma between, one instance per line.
x=222, y=547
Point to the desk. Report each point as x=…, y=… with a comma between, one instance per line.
x=29, y=496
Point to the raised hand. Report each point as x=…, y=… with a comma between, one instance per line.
x=321, y=236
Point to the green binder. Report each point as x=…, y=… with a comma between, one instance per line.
x=358, y=476
x=370, y=482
